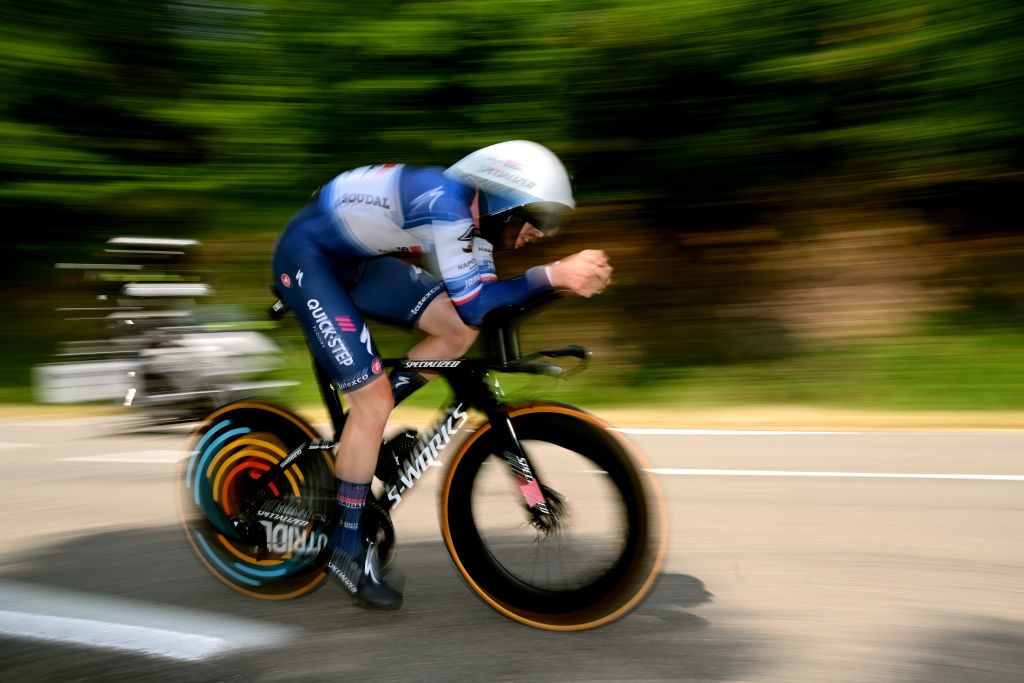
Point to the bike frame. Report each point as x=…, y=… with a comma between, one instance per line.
x=468, y=378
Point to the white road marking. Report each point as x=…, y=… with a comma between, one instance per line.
x=6, y=445
x=58, y=422
x=145, y=457
x=53, y=615
x=853, y=475
x=149, y=641
x=722, y=432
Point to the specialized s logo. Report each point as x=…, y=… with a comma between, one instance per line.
x=426, y=200
x=364, y=337
x=298, y=277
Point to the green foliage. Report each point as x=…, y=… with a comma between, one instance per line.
x=213, y=118
x=108, y=103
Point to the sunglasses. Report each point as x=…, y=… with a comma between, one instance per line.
x=547, y=222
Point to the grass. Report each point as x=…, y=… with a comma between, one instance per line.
x=982, y=371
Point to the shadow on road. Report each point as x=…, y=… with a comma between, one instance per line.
x=986, y=651
x=442, y=633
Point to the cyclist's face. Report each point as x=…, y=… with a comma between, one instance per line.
x=526, y=235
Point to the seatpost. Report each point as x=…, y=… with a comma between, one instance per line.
x=331, y=400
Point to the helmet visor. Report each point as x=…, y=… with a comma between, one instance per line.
x=548, y=217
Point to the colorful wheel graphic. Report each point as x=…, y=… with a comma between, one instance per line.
x=232, y=450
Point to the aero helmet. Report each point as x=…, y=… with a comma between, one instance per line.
x=519, y=181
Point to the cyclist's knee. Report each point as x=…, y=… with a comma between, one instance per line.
x=461, y=338
x=455, y=341
x=371, y=404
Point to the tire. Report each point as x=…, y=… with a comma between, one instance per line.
x=507, y=562
x=235, y=445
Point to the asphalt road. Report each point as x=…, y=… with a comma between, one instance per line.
x=859, y=556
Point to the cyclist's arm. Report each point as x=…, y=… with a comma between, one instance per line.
x=464, y=263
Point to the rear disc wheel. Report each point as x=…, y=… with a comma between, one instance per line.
x=231, y=451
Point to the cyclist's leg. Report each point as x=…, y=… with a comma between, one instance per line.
x=421, y=303
x=447, y=336
x=368, y=409
x=341, y=342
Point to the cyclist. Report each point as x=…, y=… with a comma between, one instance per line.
x=333, y=267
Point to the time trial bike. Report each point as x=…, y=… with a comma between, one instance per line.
x=548, y=514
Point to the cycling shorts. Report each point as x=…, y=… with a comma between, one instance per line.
x=330, y=297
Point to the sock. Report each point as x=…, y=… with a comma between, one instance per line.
x=404, y=383
x=352, y=499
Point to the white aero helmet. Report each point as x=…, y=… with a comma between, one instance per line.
x=520, y=181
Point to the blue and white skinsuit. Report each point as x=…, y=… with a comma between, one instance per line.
x=332, y=266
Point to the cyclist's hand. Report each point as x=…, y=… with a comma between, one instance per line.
x=585, y=273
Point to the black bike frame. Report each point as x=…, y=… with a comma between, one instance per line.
x=468, y=380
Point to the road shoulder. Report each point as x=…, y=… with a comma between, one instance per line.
x=740, y=417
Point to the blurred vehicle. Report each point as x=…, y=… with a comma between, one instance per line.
x=151, y=346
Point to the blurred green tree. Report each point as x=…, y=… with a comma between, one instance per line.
x=219, y=117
